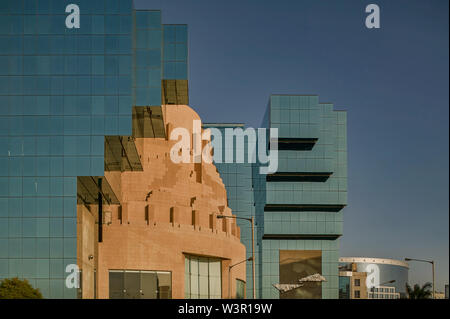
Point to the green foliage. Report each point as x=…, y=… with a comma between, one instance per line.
x=418, y=292
x=18, y=289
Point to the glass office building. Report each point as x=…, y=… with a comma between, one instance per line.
x=73, y=102
x=62, y=92
x=298, y=210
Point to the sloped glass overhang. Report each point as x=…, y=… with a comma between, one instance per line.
x=121, y=154
x=89, y=188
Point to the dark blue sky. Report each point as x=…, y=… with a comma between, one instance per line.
x=392, y=81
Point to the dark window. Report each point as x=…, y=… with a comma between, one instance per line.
x=357, y=294
x=357, y=282
x=132, y=285
x=116, y=284
x=136, y=284
x=240, y=289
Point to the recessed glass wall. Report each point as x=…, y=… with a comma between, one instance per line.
x=203, y=278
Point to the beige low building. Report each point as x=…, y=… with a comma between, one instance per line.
x=160, y=236
x=356, y=282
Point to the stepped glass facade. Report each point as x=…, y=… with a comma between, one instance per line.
x=298, y=210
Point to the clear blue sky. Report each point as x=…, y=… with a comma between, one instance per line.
x=392, y=81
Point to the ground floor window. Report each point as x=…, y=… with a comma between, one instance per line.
x=202, y=278
x=140, y=284
x=240, y=289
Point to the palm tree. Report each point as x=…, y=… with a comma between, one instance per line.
x=418, y=292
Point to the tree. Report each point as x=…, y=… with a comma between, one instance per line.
x=18, y=289
x=418, y=292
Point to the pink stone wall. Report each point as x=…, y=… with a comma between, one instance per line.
x=168, y=210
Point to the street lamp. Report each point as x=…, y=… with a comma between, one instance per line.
x=229, y=274
x=252, y=221
x=425, y=261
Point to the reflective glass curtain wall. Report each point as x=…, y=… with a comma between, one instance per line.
x=305, y=211
x=299, y=207
x=61, y=91
x=147, y=57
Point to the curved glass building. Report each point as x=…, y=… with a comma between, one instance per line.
x=380, y=272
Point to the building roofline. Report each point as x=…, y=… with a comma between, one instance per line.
x=384, y=261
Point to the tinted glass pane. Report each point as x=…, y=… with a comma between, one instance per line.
x=149, y=282
x=116, y=285
x=132, y=285
x=164, y=285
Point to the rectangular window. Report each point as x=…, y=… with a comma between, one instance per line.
x=203, y=278
x=140, y=284
x=357, y=294
x=240, y=289
x=357, y=282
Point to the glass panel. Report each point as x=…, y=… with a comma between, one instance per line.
x=215, y=285
x=116, y=284
x=149, y=285
x=187, y=278
x=194, y=278
x=203, y=278
x=240, y=289
x=164, y=285
x=132, y=285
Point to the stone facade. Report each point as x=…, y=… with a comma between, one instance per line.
x=166, y=211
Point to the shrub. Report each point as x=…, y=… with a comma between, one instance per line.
x=16, y=288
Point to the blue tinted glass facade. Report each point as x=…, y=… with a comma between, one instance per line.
x=160, y=52
x=175, y=52
x=310, y=212
x=304, y=212
x=61, y=92
x=147, y=57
